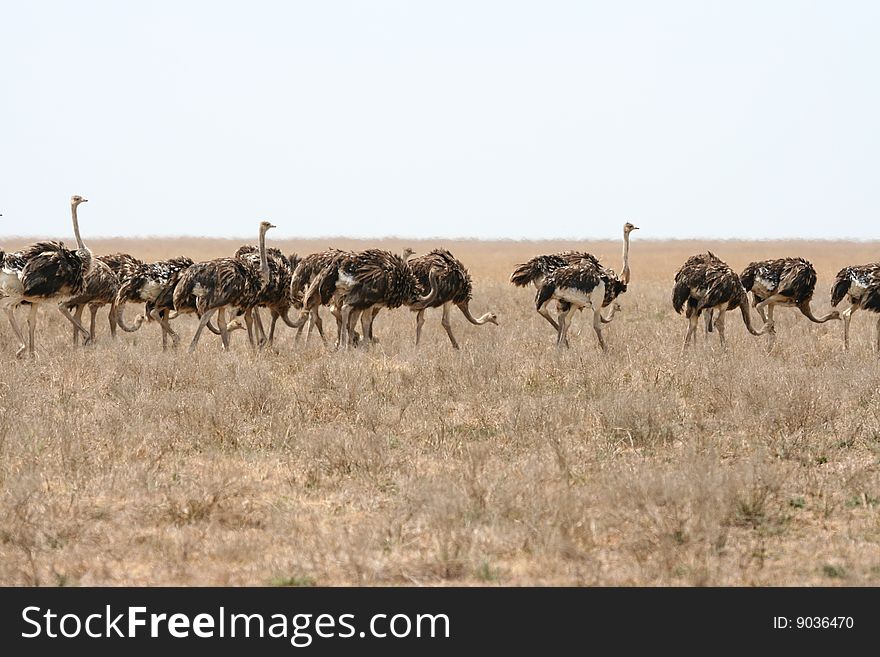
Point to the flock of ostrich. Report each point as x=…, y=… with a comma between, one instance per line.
x=358, y=285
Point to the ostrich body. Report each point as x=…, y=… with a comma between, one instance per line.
x=101, y=287
x=540, y=267
x=536, y=270
x=153, y=285
x=580, y=286
x=221, y=284
x=275, y=295
x=364, y=282
x=860, y=286
x=46, y=272
x=782, y=282
x=122, y=264
x=705, y=282
x=452, y=285
x=314, y=285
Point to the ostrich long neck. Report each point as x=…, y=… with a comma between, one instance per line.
x=79, y=242
x=84, y=254
x=467, y=315
x=607, y=320
x=747, y=318
x=264, y=261
x=624, y=274
x=808, y=313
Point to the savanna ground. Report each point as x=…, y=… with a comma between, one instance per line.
x=508, y=462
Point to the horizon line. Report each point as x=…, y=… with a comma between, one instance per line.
x=455, y=239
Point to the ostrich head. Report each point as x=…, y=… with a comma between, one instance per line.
x=407, y=252
x=492, y=318
x=265, y=225
x=76, y=199
x=628, y=228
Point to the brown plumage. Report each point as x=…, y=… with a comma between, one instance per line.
x=705, y=282
x=101, y=287
x=538, y=268
x=584, y=285
x=122, y=264
x=860, y=286
x=782, y=282
x=275, y=295
x=305, y=273
x=451, y=284
x=216, y=286
x=153, y=285
x=362, y=283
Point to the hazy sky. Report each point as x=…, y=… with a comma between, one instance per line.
x=442, y=118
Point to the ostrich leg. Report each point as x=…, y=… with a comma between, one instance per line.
x=719, y=324
x=78, y=315
x=32, y=327
x=343, y=326
x=275, y=317
x=420, y=320
x=771, y=336
x=448, y=325
x=847, y=316
x=260, y=331
x=367, y=326
x=205, y=318
x=224, y=332
x=162, y=317
x=693, y=322
x=251, y=330
x=597, y=326
x=10, y=312
x=111, y=317
x=372, y=312
x=546, y=315
x=564, y=323
x=93, y=311
x=351, y=329
x=74, y=321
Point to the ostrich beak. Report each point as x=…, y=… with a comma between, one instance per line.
x=85, y=200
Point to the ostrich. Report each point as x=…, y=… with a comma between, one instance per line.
x=214, y=286
x=580, y=286
x=405, y=255
x=101, y=287
x=362, y=282
x=538, y=268
x=694, y=261
x=861, y=287
x=310, y=296
x=453, y=286
x=275, y=296
x=705, y=282
x=43, y=272
x=782, y=282
x=153, y=285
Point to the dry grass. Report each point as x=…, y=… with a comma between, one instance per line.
x=507, y=462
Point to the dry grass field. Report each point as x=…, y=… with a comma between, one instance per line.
x=508, y=462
